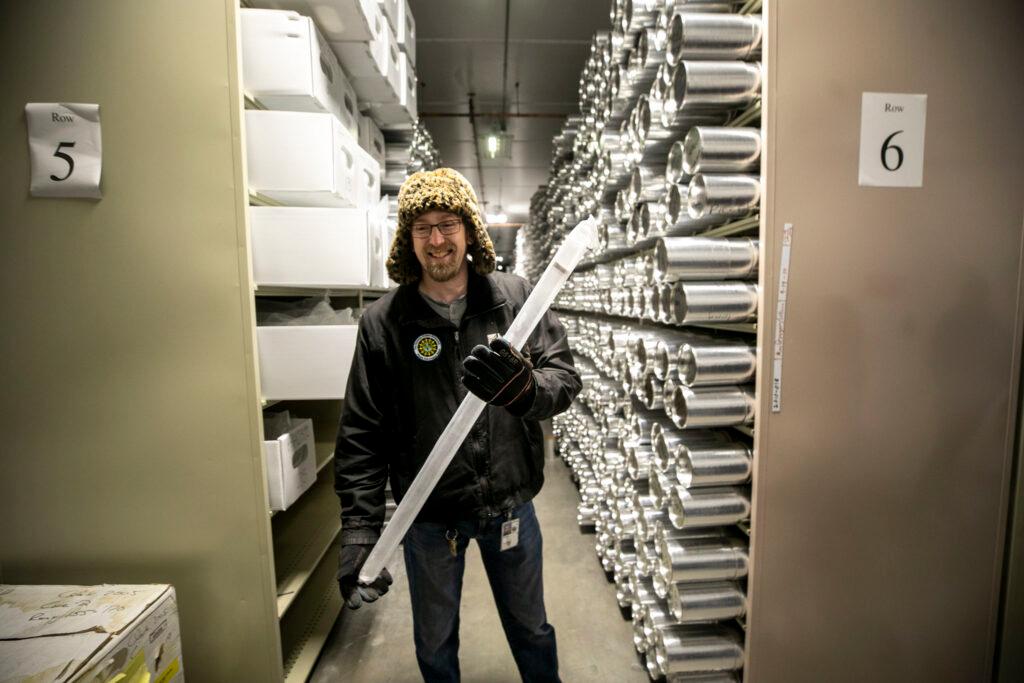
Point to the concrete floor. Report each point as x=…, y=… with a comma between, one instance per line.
x=374, y=644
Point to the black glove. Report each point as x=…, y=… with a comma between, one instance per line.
x=350, y=561
x=500, y=375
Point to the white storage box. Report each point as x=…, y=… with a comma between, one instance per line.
x=365, y=58
x=52, y=634
x=369, y=180
x=386, y=89
x=406, y=31
x=305, y=361
x=382, y=249
x=287, y=65
x=301, y=159
x=402, y=114
x=310, y=247
x=291, y=462
x=337, y=19
x=390, y=10
x=371, y=138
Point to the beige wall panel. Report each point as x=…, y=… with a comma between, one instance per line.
x=882, y=485
x=129, y=406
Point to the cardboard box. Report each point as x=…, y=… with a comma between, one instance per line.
x=371, y=138
x=301, y=159
x=406, y=31
x=369, y=180
x=299, y=362
x=291, y=460
x=337, y=19
x=390, y=9
x=58, y=634
x=385, y=87
x=400, y=115
x=310, y=247
x=365, y=58
x=287, y=65
x=382, y=244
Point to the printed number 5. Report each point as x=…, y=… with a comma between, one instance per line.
x=66, y=157
x=885, y=151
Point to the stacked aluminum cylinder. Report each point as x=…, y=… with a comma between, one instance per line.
x=665, y=153
x=405, y=154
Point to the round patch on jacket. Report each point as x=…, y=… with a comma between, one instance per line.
x=427, y=347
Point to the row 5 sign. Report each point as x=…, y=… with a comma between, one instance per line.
x=65, y=149
x=892, y=139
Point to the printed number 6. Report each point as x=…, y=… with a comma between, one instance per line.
x=66, y=157
x=885, y=150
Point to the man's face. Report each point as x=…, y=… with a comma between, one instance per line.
x=442, y=256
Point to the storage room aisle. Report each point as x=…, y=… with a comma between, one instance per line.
x=374, y=644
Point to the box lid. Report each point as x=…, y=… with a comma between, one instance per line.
x=49, y=632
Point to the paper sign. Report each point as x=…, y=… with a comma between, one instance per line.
x=65, y=148
x=892, y=139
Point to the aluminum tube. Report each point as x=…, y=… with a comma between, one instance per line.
x=675, y=169
x=699, y=559
x=665, y=315
x=714, y=302
x=694, y=408
x=688, y=509
x=611, y=236
x=706, y=364
x=678, y=220
x=660, y=484
x=623, y=206
x=664, y=363
x=624, y=594
x=639, y=637
x=652, y=303
x=705, y=258
x=721, y=149
x=653, y=220
x=690, y=648
x=647, y=184
x=586, y=515
x=638, y=15
x=712, y=36
x=645, y=522
x=710, y=87
x=652, y=395
x=665, y=442
x=634, y=226
x=699, y=602
x=728, y=195
x=646, y=556
x=716, y=465
x=653, y=618
x=638, y=462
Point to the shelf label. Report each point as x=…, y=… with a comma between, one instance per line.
x=892, y=139
x=65, y=149
x=780, y=317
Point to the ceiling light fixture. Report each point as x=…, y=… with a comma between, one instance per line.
x=499, y=217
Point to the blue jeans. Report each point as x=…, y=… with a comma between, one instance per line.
x=515, y=575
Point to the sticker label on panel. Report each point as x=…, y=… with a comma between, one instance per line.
x=892, y=139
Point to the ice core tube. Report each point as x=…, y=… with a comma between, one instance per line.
x=564, y=262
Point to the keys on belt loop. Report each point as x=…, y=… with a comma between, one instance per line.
x=450, y=536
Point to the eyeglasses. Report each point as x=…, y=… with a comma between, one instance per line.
x=423, y=231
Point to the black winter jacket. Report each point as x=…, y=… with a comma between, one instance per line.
x=404, y=387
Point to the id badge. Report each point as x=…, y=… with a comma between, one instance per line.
x=509, y=534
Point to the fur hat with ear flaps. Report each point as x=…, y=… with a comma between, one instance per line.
x=443, y=189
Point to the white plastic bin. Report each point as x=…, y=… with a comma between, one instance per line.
x=291, y=463
x=310, y=247
x=287, y=65
x=391, y=11
x=301, y=159
x=305, y=362
x=403, y=113
x=365, y=58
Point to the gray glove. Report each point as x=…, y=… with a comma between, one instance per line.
x=350, y=561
